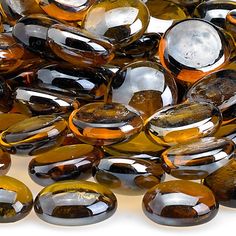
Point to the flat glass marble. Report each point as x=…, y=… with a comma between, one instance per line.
x=16, y=200
x=75, y=203
x=5, y=162
x=9, y=119
x=180, y=203
x=231, y=22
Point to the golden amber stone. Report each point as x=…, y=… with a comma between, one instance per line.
x=34, y=135
x=183, y=48
x=105, y=124
x=227, y=131
x=198, y=159
x=223, y=184
x=68, y=10
x=64, y=163
x=121, y=21
x=75, y=203
x=128, y=176
x=182, y=123
x=6, y=98
x=5, y=162
x=180, y=203
x=231, y=22
x=16, y=200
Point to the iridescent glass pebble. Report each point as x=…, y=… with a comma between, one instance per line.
x=34, y=135
x=64, y=163
x=184, y=122
x=121, y=21
x=75, y=203
x=146, y=86
x=79, y=47
x=16, y=200
x=5, y=162
x=105, y=124
x=128, y=176
x=180, y=203
x=183, y=48
x=198, y=159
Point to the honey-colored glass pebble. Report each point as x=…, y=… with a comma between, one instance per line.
x=75, y=203
x=68, y=10
x=16, y=200
x=121, y=21
x=231, y=22
x=64, y=163
x=183, y=48
x=197, y=160
x=180, y=203
x=227, y=131
x=184, y=122
x=223, y=184
x=105, y=124
x=34, y=135
x=79, y=47
x=128, y=176
x=5, y=162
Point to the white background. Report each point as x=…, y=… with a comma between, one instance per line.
x=128, y=219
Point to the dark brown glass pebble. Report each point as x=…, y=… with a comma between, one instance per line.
x=5, y=162
x=6, y=97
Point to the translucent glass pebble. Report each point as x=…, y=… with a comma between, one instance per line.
x=5, y=162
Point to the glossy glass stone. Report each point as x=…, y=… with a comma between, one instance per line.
x=231, y=22
x=146, y=86
x=34, y=135
x=218, y=88
x=128, y=176
x=5, y=162
x=180, y=203
x=228, y=131
x=79, y=47
x=68, y=10
x=223, y=184
x=64, y=163
x=6, y=98
x=105, y=124
x=183, y=122
x=190, y=5
x=16, y=200
x=121, y=21
x=183, y=48
x=70, y=139
x=75, y=203
x=198, y=159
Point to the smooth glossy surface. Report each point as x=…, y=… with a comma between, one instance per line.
x=5, y=162
x=105, y=124
x=183, y=48
x=16, y=200
x=79, y=47
x=121, y=21
x=75, y=203
x=180, y=203
x=146, y=86
x=231, y=22
x=198, y=159
x=64, y=163
x=183, y=122
x=34, y=135
x=6, y=98
x=128, y=176
x=227, y=131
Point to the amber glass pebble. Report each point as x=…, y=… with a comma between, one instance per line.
x=223, y=184
x=16, y=200
x=180, y=203
x=64, y=163
x=6, y=98
x=128, y=176
x=198, y=159
x=227, y=131
x=183, y=122
x=105, y=124
x=121, y=21
x=75, y=203
x=34, y=135
x=146, y=86
x=79, y=47
x=5, y=162
x=231, y=22
x=183, y=48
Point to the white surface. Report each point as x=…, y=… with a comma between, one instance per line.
x=128, y=219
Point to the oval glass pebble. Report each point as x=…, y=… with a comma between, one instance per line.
x=183, y=122
x=16, y=200
x=129, y=176
x=105, y=124
x=75, y=203
x=64, y=163
x=34, y=135
x=197, y=160
x=231, y=22
x=180, y=203
x=5, y=162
